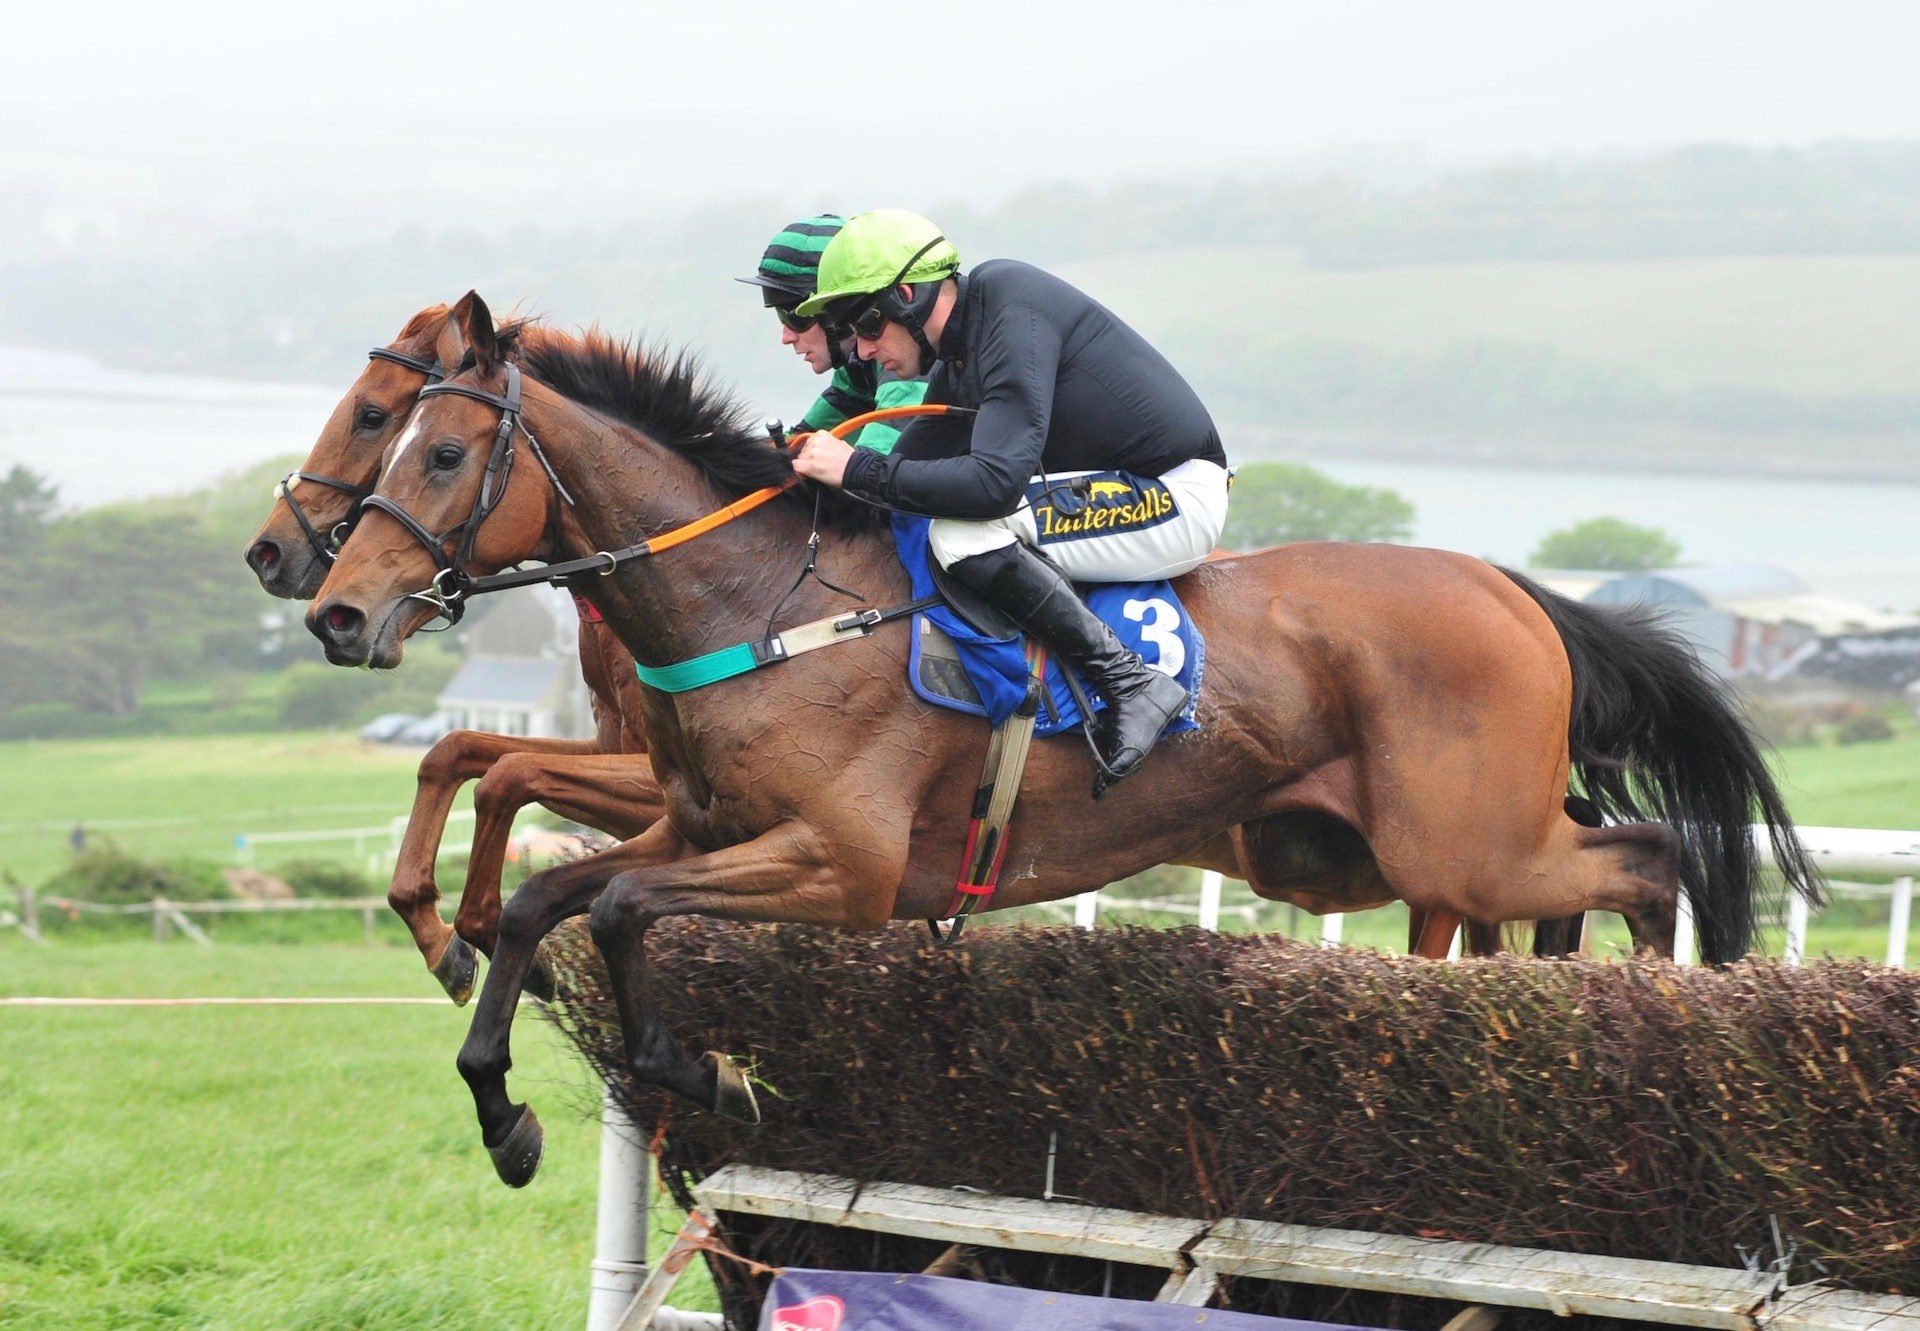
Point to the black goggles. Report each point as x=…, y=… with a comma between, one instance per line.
x=792, y=321
x=871, y=316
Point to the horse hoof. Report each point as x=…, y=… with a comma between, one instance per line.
x=457, y=969
x=516, y=1158
x=539, y=981
x=732, y=1094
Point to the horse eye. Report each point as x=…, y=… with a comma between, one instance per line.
x=447, y=456
x=372, y=418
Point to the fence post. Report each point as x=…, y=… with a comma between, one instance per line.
x=1897, y=920
x=1210, y=900
x=1796, y=953
x=1086, y=910
x=620, y=1231
x=30, y=913
x=1331, y=927
x=1683, y=937
x=162, y=922
x=366, y=923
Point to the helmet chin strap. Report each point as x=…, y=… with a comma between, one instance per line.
x=913, y=318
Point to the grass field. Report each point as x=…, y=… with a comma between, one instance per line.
x=1807, y=324
x=319, y=1168
x=239, y=1169
x=190, y=795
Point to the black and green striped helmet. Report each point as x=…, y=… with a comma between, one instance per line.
x=792, y=261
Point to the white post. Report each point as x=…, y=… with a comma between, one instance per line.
x=1683, y=936
x=1331, y=927
x=1210, y=900
x=1796, y=930
x=620, y=1234
x=1897, y=918
x=1086, y=910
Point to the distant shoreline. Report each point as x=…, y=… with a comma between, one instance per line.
x=1267, y=444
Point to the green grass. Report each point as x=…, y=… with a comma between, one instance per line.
x=192, y=796
x=240, y=1169
x=1811, y=324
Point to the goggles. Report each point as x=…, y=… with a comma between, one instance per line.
x=876, y=310
x=792, y=322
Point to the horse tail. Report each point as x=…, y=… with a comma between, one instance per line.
x=1657, y=736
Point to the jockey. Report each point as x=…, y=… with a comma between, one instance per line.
x=1074, y=409
x=785, y=278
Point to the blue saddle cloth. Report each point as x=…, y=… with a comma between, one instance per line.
x=1146, y=616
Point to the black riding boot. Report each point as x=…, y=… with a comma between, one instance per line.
x=1140, y=700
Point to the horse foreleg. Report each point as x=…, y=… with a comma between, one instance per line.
x=613, y=792
x=1431, y=932
x=790, y=874
x=510, y=1131
x=414, y=895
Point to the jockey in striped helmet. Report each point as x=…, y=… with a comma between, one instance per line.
x=786, y=276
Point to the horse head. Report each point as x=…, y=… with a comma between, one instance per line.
x=315, y=505
x=448, y=503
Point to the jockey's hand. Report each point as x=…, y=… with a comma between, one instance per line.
x=823, y=458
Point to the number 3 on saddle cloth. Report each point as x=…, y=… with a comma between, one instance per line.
x=955, y=665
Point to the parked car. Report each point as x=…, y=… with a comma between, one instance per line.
x=427, y=730
x=384, y=727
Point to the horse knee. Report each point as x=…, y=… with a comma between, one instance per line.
x=444, y=761
x=504, y=789
x=621, y=911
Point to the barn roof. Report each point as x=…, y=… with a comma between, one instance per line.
x=502, y=682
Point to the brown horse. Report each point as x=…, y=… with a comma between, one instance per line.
x=595, y=782
x=605, y=782
x=1378, y=721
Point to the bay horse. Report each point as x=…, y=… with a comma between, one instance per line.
x=605, y=782
x=596, y=781
x=1377, y=721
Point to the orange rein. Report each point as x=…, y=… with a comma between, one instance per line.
x=721, y=517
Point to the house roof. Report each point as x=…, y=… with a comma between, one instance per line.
x=502, y=682
x=1720, y=583
x=1828, y=616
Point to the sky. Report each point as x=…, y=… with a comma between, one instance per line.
x=162, y=126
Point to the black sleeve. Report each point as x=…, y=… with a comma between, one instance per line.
x=1018, y=357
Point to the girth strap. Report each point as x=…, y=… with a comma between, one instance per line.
x=1000, y=777
x=699, y=671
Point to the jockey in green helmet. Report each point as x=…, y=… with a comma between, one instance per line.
x=785, y=277
x=1089, y=457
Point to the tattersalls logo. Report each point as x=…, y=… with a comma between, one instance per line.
x=1069, y=512
x=824, y=1313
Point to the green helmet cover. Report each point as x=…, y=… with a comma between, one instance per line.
x=870, y=252
x=792, y=260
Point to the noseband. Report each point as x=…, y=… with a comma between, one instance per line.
x=328, y=546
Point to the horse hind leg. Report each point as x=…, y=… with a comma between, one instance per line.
x=1631, y=869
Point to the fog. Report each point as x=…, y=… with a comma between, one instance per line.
x=159, y=127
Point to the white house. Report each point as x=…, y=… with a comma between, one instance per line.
x=521, y=675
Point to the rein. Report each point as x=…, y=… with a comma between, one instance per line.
x=327, y=547
x=453, y=586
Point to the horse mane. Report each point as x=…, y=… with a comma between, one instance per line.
x=666, y=394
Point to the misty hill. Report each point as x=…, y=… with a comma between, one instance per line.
x=1714, y=307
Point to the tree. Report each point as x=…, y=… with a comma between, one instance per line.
x=27, y=502
x=1612, y=545
x=1277, y=502
x=108, y=597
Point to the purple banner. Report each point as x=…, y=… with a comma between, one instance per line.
x=802, y=1300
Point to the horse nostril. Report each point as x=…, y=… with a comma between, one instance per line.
x=342, y=621
x=264, y=556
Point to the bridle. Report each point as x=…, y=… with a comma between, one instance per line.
x=327, y=547
x=452, y=585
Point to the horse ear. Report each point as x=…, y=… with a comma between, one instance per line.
x=477, y=324
x=450, y=346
